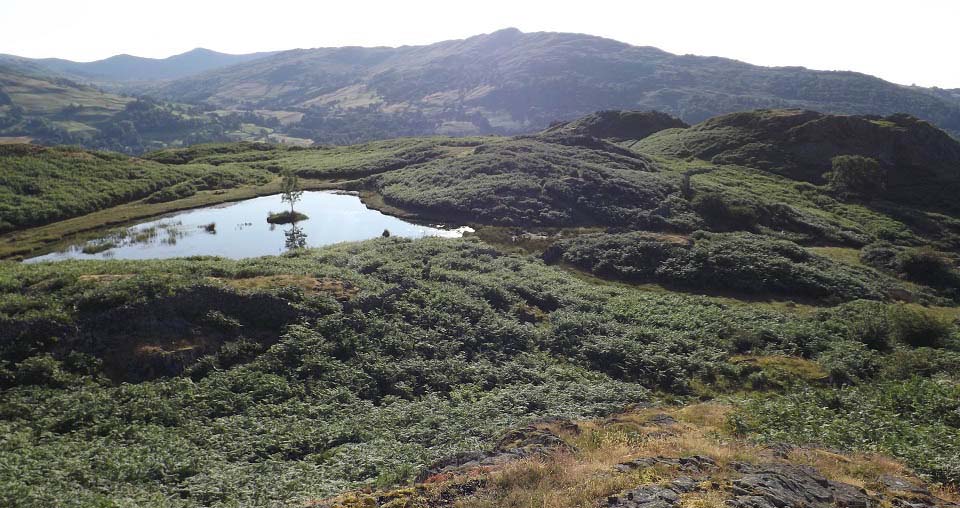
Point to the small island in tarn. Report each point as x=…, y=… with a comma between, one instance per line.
x=286, y=217
x=291, y=192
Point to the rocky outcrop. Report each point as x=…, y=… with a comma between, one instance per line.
x=790, y=486
x=516, y=444
x=618, y=125
x=693, y=465
x=771, y=485
x=655, y=496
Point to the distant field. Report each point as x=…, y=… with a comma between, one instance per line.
x=44, y=98
x=75, y=127
x=12, y=140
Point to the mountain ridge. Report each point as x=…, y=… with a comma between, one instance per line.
x=511, y=82
x=505, y=83
x=126, y=68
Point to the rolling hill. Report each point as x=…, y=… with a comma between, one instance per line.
x=512, y=82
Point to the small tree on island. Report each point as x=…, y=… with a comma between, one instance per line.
x=290, y=188
x=290, y=192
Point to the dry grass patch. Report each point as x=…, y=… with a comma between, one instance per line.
x=563, y=480
x=709, y=498
x=585, y=474
x=788, y=366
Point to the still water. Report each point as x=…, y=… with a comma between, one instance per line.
x=240, y=230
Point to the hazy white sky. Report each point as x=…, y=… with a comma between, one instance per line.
x=905, y=41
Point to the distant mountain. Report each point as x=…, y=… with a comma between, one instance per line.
x=36, y=106
x=506, y=82
x=510, y=82
x=128, y=68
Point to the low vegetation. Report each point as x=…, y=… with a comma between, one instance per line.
x=43, y=185
x=402, y=352
x=739, y=262
x=917, y=420
x=826, y=316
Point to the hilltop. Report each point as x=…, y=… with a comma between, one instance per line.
x=919, y=161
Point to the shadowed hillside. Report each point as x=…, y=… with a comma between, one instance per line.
x=921, y=163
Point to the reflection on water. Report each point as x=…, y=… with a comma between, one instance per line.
x=295, y=237
x=239, y=230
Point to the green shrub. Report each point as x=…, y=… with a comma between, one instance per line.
x=918, y=328
x=849, y=363
x=881, y=255
x=853, y=175
x=927, y=266
x=723, y=213
x=924, y=362
x=741, y=262
x=922, y=265
x=172, y=193
x=917, y=421
x=41, y=370
x=871, y=326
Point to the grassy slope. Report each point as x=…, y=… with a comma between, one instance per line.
x=51, y=110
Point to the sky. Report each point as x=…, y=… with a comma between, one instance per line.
x=908, y=42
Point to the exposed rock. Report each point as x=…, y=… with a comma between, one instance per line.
x=653, y=496
x=693, y=464
x=773, y=486
x=790, y=486
x=662, y=419
x=898, y=484
x=516, y=444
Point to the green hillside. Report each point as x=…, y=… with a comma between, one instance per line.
x=774, y=287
